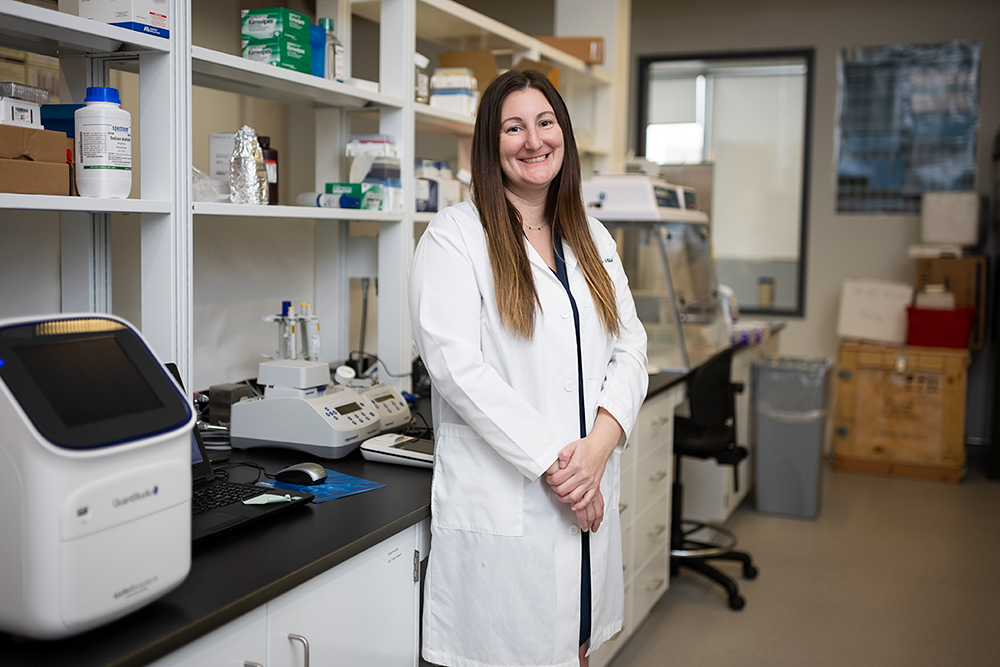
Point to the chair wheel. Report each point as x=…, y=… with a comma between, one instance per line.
x=736, y=602
x=750, y=572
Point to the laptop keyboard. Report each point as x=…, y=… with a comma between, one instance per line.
x=220, y=495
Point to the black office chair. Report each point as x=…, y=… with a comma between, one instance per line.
x=710, y=433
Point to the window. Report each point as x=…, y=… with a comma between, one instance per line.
x=745, y=118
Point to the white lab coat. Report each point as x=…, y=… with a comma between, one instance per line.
x=503, y=580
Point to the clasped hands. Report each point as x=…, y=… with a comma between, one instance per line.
x=575, y=476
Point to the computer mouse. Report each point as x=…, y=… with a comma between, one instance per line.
x=302, y=473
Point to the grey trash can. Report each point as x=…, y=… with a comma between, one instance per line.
x=790, y=398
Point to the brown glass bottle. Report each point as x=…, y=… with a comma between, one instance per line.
x=271, y=164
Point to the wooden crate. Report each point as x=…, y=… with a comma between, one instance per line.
x=901, y=410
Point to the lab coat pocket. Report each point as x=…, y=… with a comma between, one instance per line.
x=474, y=488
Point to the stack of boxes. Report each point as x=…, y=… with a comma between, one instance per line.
x=32, y=160
x=902, y=381
x=455, y=89
x=278, y=37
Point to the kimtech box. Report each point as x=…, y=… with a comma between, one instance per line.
x=148, y=16
x=280, y=52
x=266, y=24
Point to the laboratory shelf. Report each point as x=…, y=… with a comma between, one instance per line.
x=49, y=32
x=81, y=204
x=441, y=120
x=305, y=212
x=224, y=71
x=458, y=28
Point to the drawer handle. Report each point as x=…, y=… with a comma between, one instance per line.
x=658, y=477
x=656, y=585
x=247, y=663
x=662, y=421
x=305, y=646
x=622, y=507
x=657, y=531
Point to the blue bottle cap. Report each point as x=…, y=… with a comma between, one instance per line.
x=102, y=94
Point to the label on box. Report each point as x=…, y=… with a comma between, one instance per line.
x=220, y=150
x=277, y=22
x=148, y=16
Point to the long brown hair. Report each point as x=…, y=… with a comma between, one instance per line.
x=514, y=286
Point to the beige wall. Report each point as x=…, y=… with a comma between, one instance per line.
x=840, y=246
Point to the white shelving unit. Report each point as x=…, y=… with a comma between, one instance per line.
x=168, y=69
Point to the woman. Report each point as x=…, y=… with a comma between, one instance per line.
x=522, y=315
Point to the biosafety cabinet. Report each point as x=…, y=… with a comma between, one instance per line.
x=665, y=245
x=95, y=475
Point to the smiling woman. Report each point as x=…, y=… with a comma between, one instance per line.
x=522, y=315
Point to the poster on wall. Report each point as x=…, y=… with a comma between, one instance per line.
x=906, y=124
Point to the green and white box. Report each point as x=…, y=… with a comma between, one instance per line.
x=266, y=24
x=368, y=195
x=281, y=52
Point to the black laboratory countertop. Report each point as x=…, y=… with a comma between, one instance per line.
x=236, y=572
x=239, y=571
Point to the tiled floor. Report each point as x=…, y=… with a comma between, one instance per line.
x=894, y=572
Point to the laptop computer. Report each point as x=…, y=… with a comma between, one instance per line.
x=217, y=505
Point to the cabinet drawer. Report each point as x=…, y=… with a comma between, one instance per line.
x=653, y=477
x=626, y=501
x=650, y=583
x=651, y=532
x=241, y=641
x=655, y=425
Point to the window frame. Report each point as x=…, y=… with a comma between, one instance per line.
x=645, y=63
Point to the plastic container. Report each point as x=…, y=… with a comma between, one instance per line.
x=790, y=398
x=271, y=165
x=103, y=145
x=934, y=327
x=335, y=56
x=935, y=297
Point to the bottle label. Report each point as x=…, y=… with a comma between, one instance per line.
x=338, y=63
x=272, y=170
x=105, y=146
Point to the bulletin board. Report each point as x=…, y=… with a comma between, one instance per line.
x=906, y=124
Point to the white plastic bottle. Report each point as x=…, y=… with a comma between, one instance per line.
x=103, y=145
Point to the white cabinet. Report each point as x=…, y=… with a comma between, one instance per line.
x=364, y=611
x=361, y=612
x=239, y=643
x=709, y=492
x=647, y=478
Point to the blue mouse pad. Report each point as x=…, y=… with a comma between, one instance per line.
x=337, y=485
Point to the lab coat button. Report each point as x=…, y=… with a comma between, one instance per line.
x=574, y=530
x=569, y=385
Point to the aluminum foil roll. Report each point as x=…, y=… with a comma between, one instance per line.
x=247, y=173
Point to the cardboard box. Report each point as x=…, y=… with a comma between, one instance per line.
x=588, y=49
x=966, y=278
x=266, y=24
x=34, y=178
x=484, y=65
x=950, y=217
x=148, y=16
x=874, y=310
x=280, y=52
x=29, y=143
x=901, y=410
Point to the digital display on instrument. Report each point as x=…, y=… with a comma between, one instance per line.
x=415, y=445
x=87, y=381
x=347, y=408
x=383, y=399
